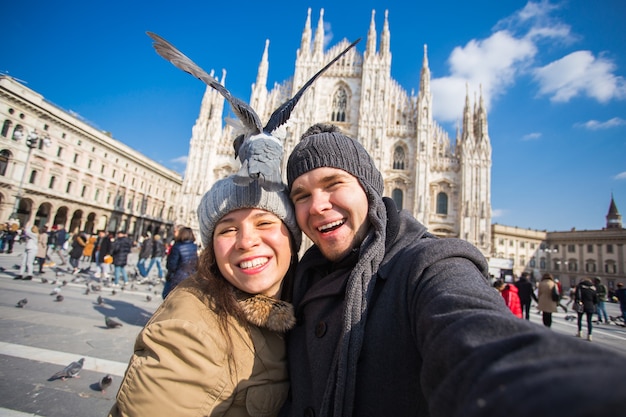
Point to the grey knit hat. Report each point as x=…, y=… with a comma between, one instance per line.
x=226, y=196
x=325, y=146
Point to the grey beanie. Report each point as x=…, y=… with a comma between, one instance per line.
x=323, y=148
x=226, y=196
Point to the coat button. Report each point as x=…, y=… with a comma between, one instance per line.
x=320, y=329
x=309, y=412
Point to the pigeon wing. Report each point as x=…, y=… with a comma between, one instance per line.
x=243, y=111
x=282, y=114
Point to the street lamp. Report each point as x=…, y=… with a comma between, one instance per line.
x=32, y=141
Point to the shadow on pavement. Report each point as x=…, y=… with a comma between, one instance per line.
x=123, y=311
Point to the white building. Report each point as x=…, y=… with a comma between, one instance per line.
x=445, y=183
x=57, y=169
x=569, y=255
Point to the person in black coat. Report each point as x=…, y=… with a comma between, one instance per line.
x=158, y=251
x=586, y=294
x=526, y=294
x=120, y=250
x=102, y=248
x=182, y=260
x=78, y=245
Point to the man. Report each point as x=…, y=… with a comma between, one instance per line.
x=602, y=293
x=158, y=251
x=526, y=293
x=59, y=236
x=145, y=252
x=120, y=250
x=393, y=321
x=102, y=249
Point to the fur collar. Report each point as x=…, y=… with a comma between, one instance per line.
x=270, y=313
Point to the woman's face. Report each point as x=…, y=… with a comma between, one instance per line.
x=253, y=250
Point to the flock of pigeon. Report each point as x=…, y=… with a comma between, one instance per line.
x=73, y=369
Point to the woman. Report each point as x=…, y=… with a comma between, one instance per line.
x=42, y=248
x=30, y=250
x=79, y=241
x=215, y=346
x=182, y=260
x=546, y=304
x=586, y=293
x=511, y=298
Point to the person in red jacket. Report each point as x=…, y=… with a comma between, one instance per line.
x=511, y=297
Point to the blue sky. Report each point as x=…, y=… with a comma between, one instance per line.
x=553, y=75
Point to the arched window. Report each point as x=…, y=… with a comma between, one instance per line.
x=398, y=158
x=5, y=157
x=18, y=132
x=340, y=105
x=442, y=203
x=5, y=128
x=397, y=196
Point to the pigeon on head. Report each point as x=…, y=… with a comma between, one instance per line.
x=258, y=150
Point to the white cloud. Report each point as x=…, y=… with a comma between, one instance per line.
x=620, y=176
x=597, y=125
x=532, y=136
x=580, y=74
x=491, y=63
x=495, y=213
x=496, y=62
x=180, y=160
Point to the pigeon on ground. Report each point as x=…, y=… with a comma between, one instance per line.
x=64, y=282
x=17, y=266
x=87, y=291
x=56, y=291
x=100, y=300
x=70, y=371
x=113, y=292
x=44, y=280
x=21, y=303
x=2, y=269
x=148, y=297
x=95, y=287
x=105, y=383
x=259, y=152
x=59, y=298
x=111, y=324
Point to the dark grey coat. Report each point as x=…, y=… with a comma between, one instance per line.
x=439, y=340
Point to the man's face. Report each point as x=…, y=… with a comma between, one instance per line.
x=331, y=209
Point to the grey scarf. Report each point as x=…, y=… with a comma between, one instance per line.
x=340, y=387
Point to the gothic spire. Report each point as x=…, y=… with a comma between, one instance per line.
x=468, y=125
x=261, y=78
x=425, y=73
x=613, y=218
x=259, y=88
x=305, y=43
x=370, y=49
x=385, y=36
x=318, y=42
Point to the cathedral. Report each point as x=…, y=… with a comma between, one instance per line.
x=445, y=184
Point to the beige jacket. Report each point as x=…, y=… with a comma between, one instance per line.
x=544, y=296
x=180, y=368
